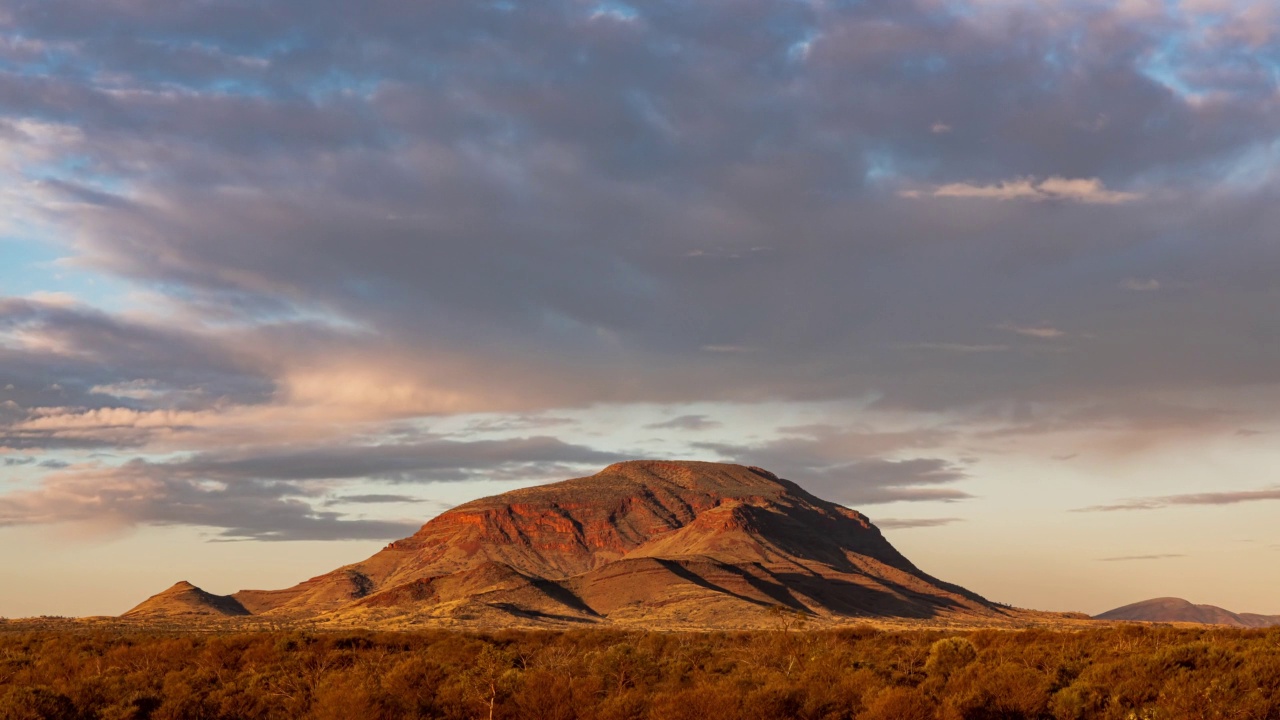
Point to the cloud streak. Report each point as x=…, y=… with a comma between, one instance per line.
x=1131, y=558
x=1089, y=191
x=686, y=422
x=1208, y=498
x=912, y=523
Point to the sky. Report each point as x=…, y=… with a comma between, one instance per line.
x=281, y=280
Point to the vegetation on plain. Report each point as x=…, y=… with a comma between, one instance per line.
x=1111, y=672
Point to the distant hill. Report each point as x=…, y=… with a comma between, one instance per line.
x=186, y=600
x=1170, y=609
x=642, y=543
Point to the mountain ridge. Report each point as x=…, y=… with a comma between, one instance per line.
x=658, y=543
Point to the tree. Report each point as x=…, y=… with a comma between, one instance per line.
x=493, y=676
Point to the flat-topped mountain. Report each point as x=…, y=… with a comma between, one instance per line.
x=673, y=544
x=1169, y=609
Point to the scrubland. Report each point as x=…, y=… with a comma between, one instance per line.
x=864, y=673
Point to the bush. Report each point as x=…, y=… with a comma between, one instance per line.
x=36, y=703
x=948, y=655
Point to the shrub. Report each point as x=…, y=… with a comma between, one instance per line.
x=949, y=655
x=36, y=703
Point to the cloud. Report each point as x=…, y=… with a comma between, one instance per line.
x=686, y=422
x=373, y=499
x=1140, y=284
x=1208, y=498
x=581, y=238
x=278, y=495
x=959, y=347
x=111, y=499
x=1009, y=190
x=405, y=213
x=1090, y=191
x=519, y=422
x=910, y=523
x=115, y=374
x=848, y=465
x=1128, y=558
x=428, y=460
x=1043, y=332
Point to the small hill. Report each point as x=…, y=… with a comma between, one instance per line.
x=1171, y=610
x=186, y=600
x=648, y=543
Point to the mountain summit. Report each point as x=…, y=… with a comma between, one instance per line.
x=656, y=543
x=186, y=600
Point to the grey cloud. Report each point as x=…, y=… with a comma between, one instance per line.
x=275, y=495
x=430, y=460
x=519, y=422
x=1135, y=420
x=842, y=465
x=1140, y=284
x=84, y=352
x=1209, y=498
x=686, y=422
x=821, y=445
x=539, y=206
x=136, y=494
x=318, y=526
x=373, y=499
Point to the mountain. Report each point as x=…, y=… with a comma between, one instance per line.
x=1170, y=609
x=187, y=600
x=653, y=543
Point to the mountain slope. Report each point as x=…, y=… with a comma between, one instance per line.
x=654, y=542
x=1178, y=610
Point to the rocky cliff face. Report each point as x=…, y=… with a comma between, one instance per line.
x=671, y=543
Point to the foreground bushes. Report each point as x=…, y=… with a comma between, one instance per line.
x=1112, y=672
